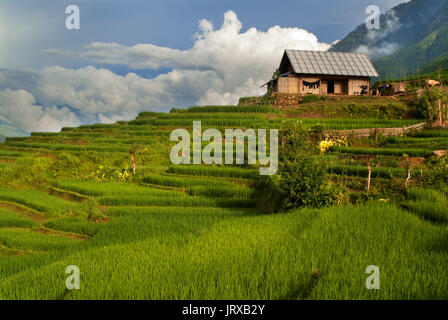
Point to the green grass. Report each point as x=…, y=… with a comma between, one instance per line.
x=222, y=192
x=10, y=219
x=69, y=134
x=384, y=151
x=137, y=200
x=184, y=182
x=212, y=171
x=39, y=201
x=4, y=165
x=193, y=232
x=377, y=172
x=67, y=147
x=206, y=116
x=412, y=140
x=35, y=241
x=75, y=225
x=432, y=133
x=11, y=154
x=248, y=122
x=226, y=109
x=428, y=204
x=434, y=143
x=261, y=257
x=95, y=189
x=428, y=210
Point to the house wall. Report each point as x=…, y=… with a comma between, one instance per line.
x=354, y=85
x=293, y=80
x=306, y=90
x=323, y=87
x=293, y=84
x=338, y=87
x=283, y=85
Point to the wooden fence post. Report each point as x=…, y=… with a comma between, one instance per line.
x=408, y=178
x=368, y=179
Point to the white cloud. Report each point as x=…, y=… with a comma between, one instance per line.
x=221, y=66
x=239, y=61
x=19, y=106
x=379, y=51
x=234, y=55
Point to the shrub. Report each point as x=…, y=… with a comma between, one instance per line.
x=433, y=104
x=329, y=142
x=312, y=98
x=301, y=176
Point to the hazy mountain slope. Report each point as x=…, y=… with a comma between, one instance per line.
x=412, y=35
x=436, y=65
x=428, y=54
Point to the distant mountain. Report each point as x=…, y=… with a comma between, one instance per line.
x=8, y=129
x=413, y=36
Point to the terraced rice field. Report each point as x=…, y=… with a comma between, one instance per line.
x=194, y=232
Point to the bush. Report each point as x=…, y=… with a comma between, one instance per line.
x=433, y=105
x=300, y=181
x=312, y=98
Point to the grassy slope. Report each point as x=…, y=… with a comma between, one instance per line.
x=262, y=257
x=193, y=233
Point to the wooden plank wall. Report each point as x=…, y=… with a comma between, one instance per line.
x=354, y=86
x=305, y=90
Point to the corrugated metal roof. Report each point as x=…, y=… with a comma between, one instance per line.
x=331, y=63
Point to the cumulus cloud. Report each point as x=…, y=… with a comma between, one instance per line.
x=222, y=65
x=19, y=106
x=237, y=58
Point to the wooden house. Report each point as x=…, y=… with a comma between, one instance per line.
x=323, y=73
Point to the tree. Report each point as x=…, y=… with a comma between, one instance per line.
x=434, y=102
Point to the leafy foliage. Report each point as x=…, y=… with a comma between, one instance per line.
x=301, y=177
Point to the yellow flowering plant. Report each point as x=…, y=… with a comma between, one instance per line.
x=330, y=141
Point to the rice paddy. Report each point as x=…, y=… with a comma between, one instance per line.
x=195, y=232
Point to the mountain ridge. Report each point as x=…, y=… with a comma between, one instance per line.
x=413, y=38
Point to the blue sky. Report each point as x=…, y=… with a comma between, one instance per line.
x=139, y=55
x=37, y=25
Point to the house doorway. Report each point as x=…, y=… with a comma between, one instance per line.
x=330, y=86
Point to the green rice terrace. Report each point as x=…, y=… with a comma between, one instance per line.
x=208, y=231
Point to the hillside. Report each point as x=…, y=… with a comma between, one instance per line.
x=197, y=232
x=428, y=55
x=413, y=35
